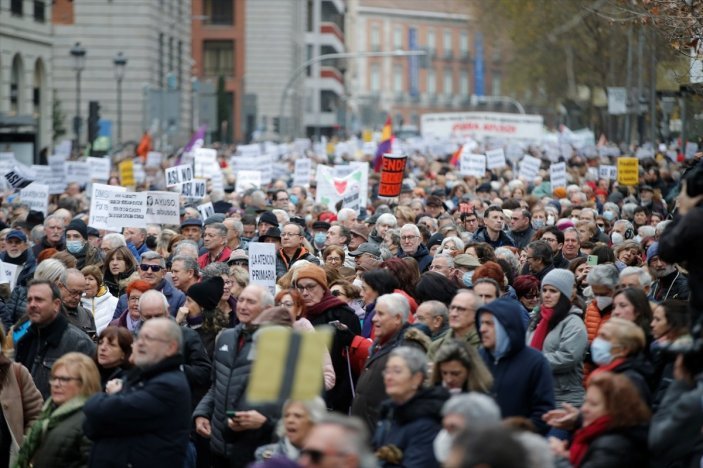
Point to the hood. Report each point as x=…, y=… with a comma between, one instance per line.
x=421, y=251
x=427, y=403
x=509, y=313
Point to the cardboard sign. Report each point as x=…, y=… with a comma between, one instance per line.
x=628, y=171
x=262, y=163
x=194, y=190
x=217, y=182
x=206, y=210
x=127, y=173
x=78, y=172
x=205, y=161
x=36, y=195
x=178, y=175
x=19, y=177
x=127, y=209
x=392, y=173
x=557, y=175
x=9, y=274
x=495, y=159
x=473, y=165
x=607, y=172
x=249, y=151
x=262, y=265
x=99, y=168
x=529, y=168
x=163, y=208
x=100, y=206
x=247, y=180
x=57, y=163
x=303, y=168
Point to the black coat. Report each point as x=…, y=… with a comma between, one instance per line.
x=197, y=365
x=640, y=372
x=147, y=424
x=621, y=448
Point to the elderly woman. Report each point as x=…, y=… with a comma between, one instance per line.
x=299, y=417
x=131, y=318
x=452, y=245
x=629, y=253
x=458, y=367
x=333, y=256
x=527, y=289
x=97, y=298
x=411, y=418
x=118, y=266
x=113, y=353
x=350, y=294
x=57, y=439
x=322, y=309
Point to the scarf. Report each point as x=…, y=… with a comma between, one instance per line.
x=584, y=437
x=542, y=328
x=50, y=417
x=19, y=260
x=606, y=368
x=328, y=301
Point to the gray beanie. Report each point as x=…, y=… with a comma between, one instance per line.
x=561, y=279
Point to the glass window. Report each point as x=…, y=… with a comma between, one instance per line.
x=464, y=43
x=398, y=79
x=218, y=11
x=16, y=7
x=448, y=82
x=39, y=11
x=375, y=78
x=375, y=37
x=218, y=58
x=398, y=38
x=496, y=83
x=431, y=40
x=464, y=83
x=431, y=81
x=447, y=42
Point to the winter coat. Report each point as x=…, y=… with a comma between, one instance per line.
x=672, y=286
x=640, y=372
x=116, y=284
x=370, y=389
x=675, y=429
x=283, y=263
x=594, y=318
x=81, y=318
x=196, y=365
x=412, y=428
x=88, y=256
x=176, y=299
x=565, y=348
x=471, y=338
x=39, y=348
x=156, y=401
x=522, y=379
x=503, y=239
x=204, y=260
x=43, y=244
x=522, y=238
x=101, y=307
x=618, y=448
x=422, y=255
x=16, y=306
x=230, y=376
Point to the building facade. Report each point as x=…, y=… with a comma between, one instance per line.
x=26, y=78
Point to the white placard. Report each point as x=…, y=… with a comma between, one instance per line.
x=247, y=180
x=205, y=161
x=557, y=175
x=9, y=274
x=369, y=147
x=138, y=172
x=343, y=170
x=281, y=170
x=529, y=167
x=7, y=157
x=217, y=182
x=101, y=195
x=592, y=173
x=482, y=125
x=154, y=159
x=249, y=151
x=36, y=195
x=331, y=189
x=495, y=159
x=78, y=172
x=99, y=168
x=262, y=163
x=607, y=172
x=262, y=265
x=303, y=168
x=163, y=208
x=127, y=209
x=206, y=210
x=57, y=163
x=194, y=189
x=473, y=164
x=64, y=148
x=617, y=101
x=20, y=176
x=178, y=175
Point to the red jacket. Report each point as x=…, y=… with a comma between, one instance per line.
x=204, y=259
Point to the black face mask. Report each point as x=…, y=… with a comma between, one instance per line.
x=151, y=242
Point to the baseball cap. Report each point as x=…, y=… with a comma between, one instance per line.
x=366, y=247
x=16, y=234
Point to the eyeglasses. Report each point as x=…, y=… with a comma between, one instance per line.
x=316, y=456
x=145, y=337
x=289, y=234
x=334, y=259
x=532, y=295
x=408, y=238
x=134, y=298
x=61, y=380
x=338, y=293
x=154, y=268
x=303, y=289
x=287, y=304
x=72, y=292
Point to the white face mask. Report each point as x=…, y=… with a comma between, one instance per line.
x=603, y=301
x=442, y=445
x=550, y=220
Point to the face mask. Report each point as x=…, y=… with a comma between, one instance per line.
x=537, y=223
x=467, y=279
x=550, y=220
x=293, y=199
x=609, y=215
x=320, y=239
x=74, y=246
x=442, y=445
x=601, y=351
x=617, y=238
x=603, y=301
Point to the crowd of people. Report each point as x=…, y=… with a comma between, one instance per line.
x=487, y=322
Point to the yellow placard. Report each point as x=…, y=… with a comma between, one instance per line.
x=127, y=173
x=628, y=171
x=367, y=135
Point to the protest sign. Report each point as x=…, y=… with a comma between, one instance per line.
x=178, y=174
x=472, y=164
x=557, y=175
x=205, y=161
x=249, y=151
x=607, y=172
x=281, y=171
x=262, y=163
x=217, y=182
x=301, y=176
x=392, y=173
x=529, y=168
x=57, y=163
x=154, y=159
x=194, y=189
x=206, y=210
x=9, y=274
x=99, y=168
x=100, y=206
x=343, y=170
x=64, y=148
x=127, y=209
x=480, y=125
x=163, y=208
x=36, y=195
x=78, y=172
x=628, y=171
x=691, y=149
x=495, y=159
x=20, y=176
x=247, y=180
x=287, y=365
x=127, y=173
x=331, y=189
x=139, y=174
x=262, y=265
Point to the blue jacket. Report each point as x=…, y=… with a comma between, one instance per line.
x=522, y=379
x=147, y=424
x=137, y=252
x=422, y=255
x=175, y=298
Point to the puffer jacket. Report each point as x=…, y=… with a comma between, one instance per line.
x=565, y=349
x=230, y=375
x=594, y=318
x=101, y=307
x=618, y=448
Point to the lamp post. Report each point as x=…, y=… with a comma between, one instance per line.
x=120, y=62
x=78, y=54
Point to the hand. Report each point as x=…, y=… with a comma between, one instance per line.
x=558, y=447
x=564, y=418
x=202, y=427
x=246, y=420
x=181, y=315
x=113, y=386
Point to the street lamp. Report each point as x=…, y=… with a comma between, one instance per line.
x=78, y=54
x=120, y=62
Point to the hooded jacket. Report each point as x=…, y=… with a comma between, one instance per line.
x=522, y=378
x=422, y=255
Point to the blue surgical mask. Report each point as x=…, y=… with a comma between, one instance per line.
x=320, y=238
x=601, y=351
x=467, y=279
x=538, y=223
x=74, y=246
x=609, y=215
x=293, y=199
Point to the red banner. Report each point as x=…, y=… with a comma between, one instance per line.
x=392, y=170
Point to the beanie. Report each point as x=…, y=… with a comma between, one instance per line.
x=561, y=279
x=652, y=251
x=268, y=218
x=208, y=293
x=312, y=272
x=79, y=226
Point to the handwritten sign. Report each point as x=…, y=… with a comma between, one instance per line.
x=36, y=196
x=206, y=210
x=127, y=173
x=262, y=265
x=194, y=189
x=557, y=175
x=99, y=168
x=529, y=168
x=247, y=180
x=178, y=175
x=495, y=159
x=100, y=206
x=473, y=164
x=628, y=171
x=163, y=208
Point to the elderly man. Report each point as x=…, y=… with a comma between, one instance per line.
x=435, y=316
x=215, y=241
x=602, y=279
x=111, y=241
x=390, y=324
x=411, y=246
x=78, y=246
x=635, y=277
x=670, y=283
x=521, y=227
x=492, y=232
x=185, y=272
x=572, y=245
x=539, y=259
x=339, y=235
x=337, y=441
x=53, y=235
x=443, y=264
x=152, y=269
x=153, y=397
x=462, y=321
x=50, y=334
x=235, y=231
x=234, y=438
x=136, y=241
x=366, y=258
x=17, y=253
x=267, y=220
x=292, y=249
x=347, y=217
x=192, y=229
x=72, y=285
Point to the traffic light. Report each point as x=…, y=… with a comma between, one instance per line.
x=93, y=120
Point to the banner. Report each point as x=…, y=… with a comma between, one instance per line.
x=99, y=168
x=163, y=208
x=127, y=209
x=100, y=206
x=262, y=265
x=331, y=189
x=480, y=125
x=557, y=175
x=472, y=164
x=342, y=170
x=392, y=172
x=36, y=195
x=628, y=171
x=178, y=175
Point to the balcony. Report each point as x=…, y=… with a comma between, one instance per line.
x=330, y=35
x=448, y=55
x=464, y=56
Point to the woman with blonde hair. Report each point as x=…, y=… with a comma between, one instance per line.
x=458, y=367
x=97, y=298
x=57, y=438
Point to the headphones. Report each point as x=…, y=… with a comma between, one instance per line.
x=629, y=232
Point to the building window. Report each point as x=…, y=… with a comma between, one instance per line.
x=398, y=79
x=170, y=54
x=218, y=11
x=16, y=7
x=464, y=83
x=431, y=82
x=496, y=84
x=161, y=59
x=464, y=44
x=309, y=50
x=375, y=78
x=310, y=16
x=398, y=38
x=375, y=38
x=448, y=43
x=218, y=58
x=39, y=11
x=431, y=41
x=179, y=66
x=448, y=82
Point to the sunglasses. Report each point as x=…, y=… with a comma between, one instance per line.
x=316, y=456
x=337, y=293
x=532, y=296
x=154, y=268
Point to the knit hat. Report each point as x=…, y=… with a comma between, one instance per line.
x=561, y=279
x=268, y=218
x=652, y=251
x=312, y=272
x=79, y=226
x=208, y=293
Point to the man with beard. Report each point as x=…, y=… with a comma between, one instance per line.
x=669, y=282
x=17, y=252
x=53, y=235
